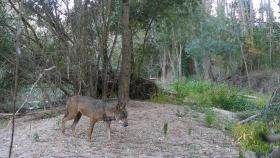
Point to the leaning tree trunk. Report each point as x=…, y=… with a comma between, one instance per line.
x=124, y=78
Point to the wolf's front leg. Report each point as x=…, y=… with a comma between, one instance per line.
x=92, y=122
x=109, y=131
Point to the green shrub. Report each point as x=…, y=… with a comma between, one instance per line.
x=165, y=128
x=35, y=137
x=57, y=123
x=192, y=92
x=210, y=117
x=228, y=99
x=162, y=98
x=247, y=135
x=205, y=93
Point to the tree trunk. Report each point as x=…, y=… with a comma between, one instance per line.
x=242, y=17
x=245, y=63
x=261, y=11
x=251, y=16
x=163, y=64
x=180, y=61
x=205, y=65
x=270, y=18
x=104, y=48
x=96, y=76
x=124, y=78
x=191, y=67
x=170, y=68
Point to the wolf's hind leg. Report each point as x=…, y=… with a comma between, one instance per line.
x=75, y=122
x=109, y=131
x=92, y=122
x=67, y=117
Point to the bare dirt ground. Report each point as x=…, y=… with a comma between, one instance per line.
x=144, y=137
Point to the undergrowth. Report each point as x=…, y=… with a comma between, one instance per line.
x=210, y=117
x=247, y=135
x=207, y=94
x=203, y=95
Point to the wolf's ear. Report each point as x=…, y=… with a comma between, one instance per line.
x=123, y=106
x=120, y=106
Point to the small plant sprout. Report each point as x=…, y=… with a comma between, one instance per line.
x=57, y=124
x=190, y=131
x=180, y=114
x=165, y=128
x=210, y=117
x=35, y=137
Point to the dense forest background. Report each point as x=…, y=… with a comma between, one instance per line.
x=218, y=59
x=216, y=40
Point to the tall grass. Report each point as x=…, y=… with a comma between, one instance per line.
x=208, y=94
x=204, y=93
x=248, y=138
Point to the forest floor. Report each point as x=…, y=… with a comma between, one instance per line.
x=187, y=136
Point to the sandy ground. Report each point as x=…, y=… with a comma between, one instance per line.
x=144, y=137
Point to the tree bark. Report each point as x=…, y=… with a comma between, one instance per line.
x=124, y=78
x=251, y=16
x=245, y=63
x=242, y=17
x=104, y=48
x=180, y=61
x=270, y=18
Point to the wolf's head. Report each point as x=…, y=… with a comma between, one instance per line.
x=121, y=115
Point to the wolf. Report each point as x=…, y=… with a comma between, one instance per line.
x=272, y=138
x=95, y=110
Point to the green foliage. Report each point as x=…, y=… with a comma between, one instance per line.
x=247, y=113
x=207, y=94
x=190, y=131
x=214, y=35
x=229, y=99
x=210, y=117
x=204, y=93
x=6, y=47
x=163, y=98
x=165, y=128
x=3, y=123
x=57, y=123
x=192, y=89
x=180, y=114
x=35, y=136
x=247, y=135
x=35, y=100
x=143, y=63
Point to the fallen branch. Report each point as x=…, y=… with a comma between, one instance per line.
x=250, y=118
x=43, y=114
x=263, y=111
x=7, y=115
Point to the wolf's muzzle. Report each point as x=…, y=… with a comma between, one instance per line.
x=125, y=124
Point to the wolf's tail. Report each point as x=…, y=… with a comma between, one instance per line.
x=66, y=109
x=270, y=138
x=66, y=113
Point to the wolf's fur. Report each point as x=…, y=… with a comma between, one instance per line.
x=272, y=138
x=96, y=110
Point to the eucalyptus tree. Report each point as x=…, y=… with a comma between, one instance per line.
x=162, y=26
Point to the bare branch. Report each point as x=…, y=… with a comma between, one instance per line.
x=31, y=89
x=26, y=23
